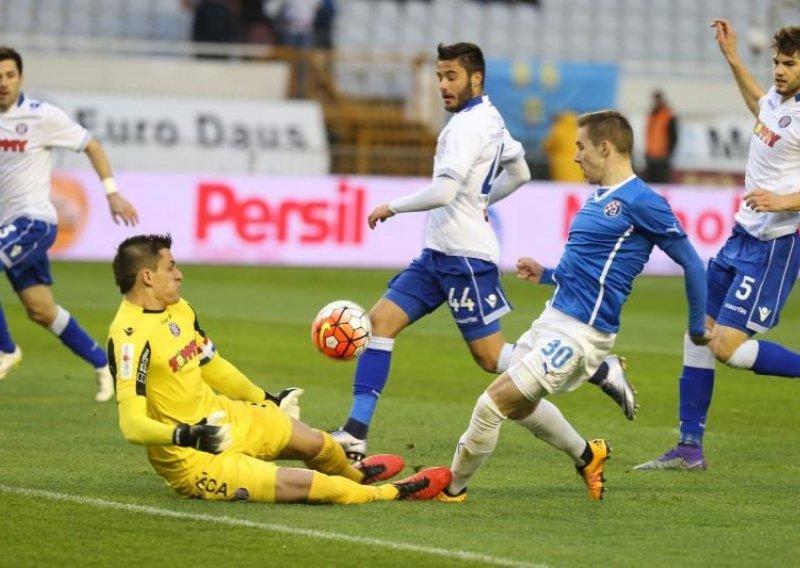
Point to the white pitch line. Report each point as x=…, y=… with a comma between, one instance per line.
x=268, y=527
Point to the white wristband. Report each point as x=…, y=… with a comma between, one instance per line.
x=110, y=186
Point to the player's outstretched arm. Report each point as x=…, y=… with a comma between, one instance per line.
x=514, y=175
x=763, y=200
x=223, y=376
x=694, y=277
x=530, y=270
x=748, y=86
x=121, y=209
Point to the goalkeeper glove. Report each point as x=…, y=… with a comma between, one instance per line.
x=287, y=400
x=207, y=435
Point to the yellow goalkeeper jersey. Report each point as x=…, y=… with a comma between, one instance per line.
x=164, y=368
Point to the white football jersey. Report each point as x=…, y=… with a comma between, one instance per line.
x=28, y=132
x=470, y=148
x=773, y=163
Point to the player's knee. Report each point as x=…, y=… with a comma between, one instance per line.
x=39, y=315
x=723, y=350
x=486, y=362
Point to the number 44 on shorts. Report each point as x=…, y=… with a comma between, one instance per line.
x=464, y=302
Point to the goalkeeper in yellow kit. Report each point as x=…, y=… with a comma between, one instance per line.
x=209, y=431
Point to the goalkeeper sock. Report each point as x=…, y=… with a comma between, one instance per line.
x=372, y=372
x=6, y=344
x=342, y=491
x=548, y=424
x=66, y=328
x=332, y=460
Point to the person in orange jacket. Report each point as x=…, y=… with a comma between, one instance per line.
x=662, y=137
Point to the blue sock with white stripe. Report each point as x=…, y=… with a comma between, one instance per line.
x=6, y=344
x=66, y=328
x=372, y=372
x=774, y=359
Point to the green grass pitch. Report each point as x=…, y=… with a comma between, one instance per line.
x=73, y=492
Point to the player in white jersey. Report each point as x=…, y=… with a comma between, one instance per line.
x=29, y=129
x=458, y=264
x=750, y=278
x=610, y=240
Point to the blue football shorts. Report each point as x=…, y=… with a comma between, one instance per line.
x=23, y=251
x=749, y=280
x=471, y=287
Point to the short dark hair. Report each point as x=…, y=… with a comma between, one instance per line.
x=468, y=55
x=11, y=53
x=135, y=253
x=786, y=41
x=608, y=125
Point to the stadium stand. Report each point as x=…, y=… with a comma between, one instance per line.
x=365, y=84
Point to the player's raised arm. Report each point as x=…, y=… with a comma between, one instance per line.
x=121, y=208
x=748, y=86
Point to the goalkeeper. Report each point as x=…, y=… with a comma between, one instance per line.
x=220, y=446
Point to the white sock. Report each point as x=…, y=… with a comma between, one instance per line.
x=504, y=359
x=698, y=356
x=548, y=424
x=745, y=355
x=477, y=443
x=60, y=323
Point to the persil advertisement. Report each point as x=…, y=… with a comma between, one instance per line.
x=322, y=220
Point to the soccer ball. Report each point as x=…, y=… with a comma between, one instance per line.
x=341, y=330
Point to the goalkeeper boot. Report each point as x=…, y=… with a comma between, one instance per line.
x=354, y=448
x=447, y=497
x=681, y=457
x=105, y=384
x=9, y=360
x=380, y=467
x=425, y=485
x=616, y=386
x=592, y=472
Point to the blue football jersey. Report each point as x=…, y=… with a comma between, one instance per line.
x=610, y=240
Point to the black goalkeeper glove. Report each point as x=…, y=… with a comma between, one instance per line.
x=287, y=400
x=207, y=435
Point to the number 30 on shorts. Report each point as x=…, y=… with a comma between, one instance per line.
x=557, y=354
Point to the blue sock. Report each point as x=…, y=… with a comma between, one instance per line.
x=774, y=359
x=372, y=372
x=82, y=345
x=6, y=344
x=696, y=387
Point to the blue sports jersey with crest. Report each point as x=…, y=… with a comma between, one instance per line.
x=610, y=240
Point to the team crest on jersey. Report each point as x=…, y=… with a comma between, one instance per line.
x=174, y=329
x=612, y=209
x=785, y=121
x=21, y=128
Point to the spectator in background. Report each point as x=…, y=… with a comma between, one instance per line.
x=214, y=21
x=560, y=148
x=297, y=22
x=662, y=137
x=256, y=26
x=323, y=24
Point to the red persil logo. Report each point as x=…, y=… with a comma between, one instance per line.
x=338, y=219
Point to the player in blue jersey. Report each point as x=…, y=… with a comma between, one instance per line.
x=610, y=240
x=750, y=278
x=458, y=264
